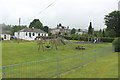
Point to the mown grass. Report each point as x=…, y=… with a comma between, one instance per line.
x=105, y=67
x=54, y=62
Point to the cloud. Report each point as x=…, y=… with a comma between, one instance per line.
x=73, y=13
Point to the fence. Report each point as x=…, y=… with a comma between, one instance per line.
x=53, y=67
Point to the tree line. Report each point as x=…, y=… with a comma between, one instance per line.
x=112, y=21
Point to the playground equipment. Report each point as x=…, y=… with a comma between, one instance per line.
x=80, y=48
x=49, y=42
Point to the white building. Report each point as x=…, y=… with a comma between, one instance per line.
x=29, y=33
x=60, y=30
x=119, y=5
x=5, y=36
x=81, y=31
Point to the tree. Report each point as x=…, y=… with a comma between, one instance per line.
x=73, y=31
x=5, y=27
x=90, y=29
x=100, y=33
x=46, y=29
x=36, y=24
x=79, y=30
x=112, y=21
x=110, y=33
x=16, y=28
x=103, y=33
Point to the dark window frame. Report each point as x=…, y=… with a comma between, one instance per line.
x=33, y=34
x=30, y=35
x=26, y=34
x=5, y=37
x=38, y=34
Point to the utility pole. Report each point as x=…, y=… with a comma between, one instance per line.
x=19, y=32
x=19, y=21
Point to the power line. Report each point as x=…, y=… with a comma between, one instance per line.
x=42, y=10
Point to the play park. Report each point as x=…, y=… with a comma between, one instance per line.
x=56, y=57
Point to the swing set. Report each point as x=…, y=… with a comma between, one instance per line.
x=47, y=42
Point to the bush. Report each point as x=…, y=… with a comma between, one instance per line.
x=116, y=44
x=67, y=37
x=80, y=38
x=106, y=39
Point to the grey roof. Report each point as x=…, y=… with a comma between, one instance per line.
x=32, y=30
x=5, y=32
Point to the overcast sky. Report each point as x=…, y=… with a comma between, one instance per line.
x=73, y=13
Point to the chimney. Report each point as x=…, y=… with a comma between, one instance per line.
x=32, y=27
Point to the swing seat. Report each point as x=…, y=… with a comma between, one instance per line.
x=48, y=46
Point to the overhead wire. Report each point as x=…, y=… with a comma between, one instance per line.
x=41, y=11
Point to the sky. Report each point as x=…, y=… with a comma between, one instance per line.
x=72, y=13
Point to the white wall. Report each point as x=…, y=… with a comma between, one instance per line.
x=22, y=35
x=54, y=31
x=7, y=36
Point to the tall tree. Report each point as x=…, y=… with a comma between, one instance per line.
x=103, y=33
x=100, y=33
x=46, y=29
x=112, y=21
x=73, y=31
x=36, y=24
x=90, y=29
x=16, y=28
x=110, y=33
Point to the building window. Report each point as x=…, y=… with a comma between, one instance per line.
x=29, y=34
x=39, y=34
x=33, y=34
x=42, y=34
x=26, y=33
x=4, y=36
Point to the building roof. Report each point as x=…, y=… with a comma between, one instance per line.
x=32, y=30
x=4, y=32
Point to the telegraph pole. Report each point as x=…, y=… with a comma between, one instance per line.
x=19, y=21
x=19, y=32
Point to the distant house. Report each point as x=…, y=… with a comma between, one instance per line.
x=29, y=33
x=60, y=30
x=81, y=31
x=5, y=35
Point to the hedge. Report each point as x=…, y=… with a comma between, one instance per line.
x=106, y=39
x=82, y=38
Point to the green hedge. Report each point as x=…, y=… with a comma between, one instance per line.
x=106, y=39
x=82, y=38
x=116, y=44
x=76, y=38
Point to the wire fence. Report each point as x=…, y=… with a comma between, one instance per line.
x=53, y=67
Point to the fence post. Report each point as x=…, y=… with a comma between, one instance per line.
x=58, y=73
x=82, y=59
x=4, y=72
x=95, y=55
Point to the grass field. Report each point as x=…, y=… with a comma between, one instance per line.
x=24, y=60
x=106, y=67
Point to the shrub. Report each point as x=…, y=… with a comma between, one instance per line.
x=116, y=44
x=80, y=38
x=67, y=37
x=106, y=39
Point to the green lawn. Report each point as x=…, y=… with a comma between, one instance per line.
x=52, y=63
x=106, y=67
